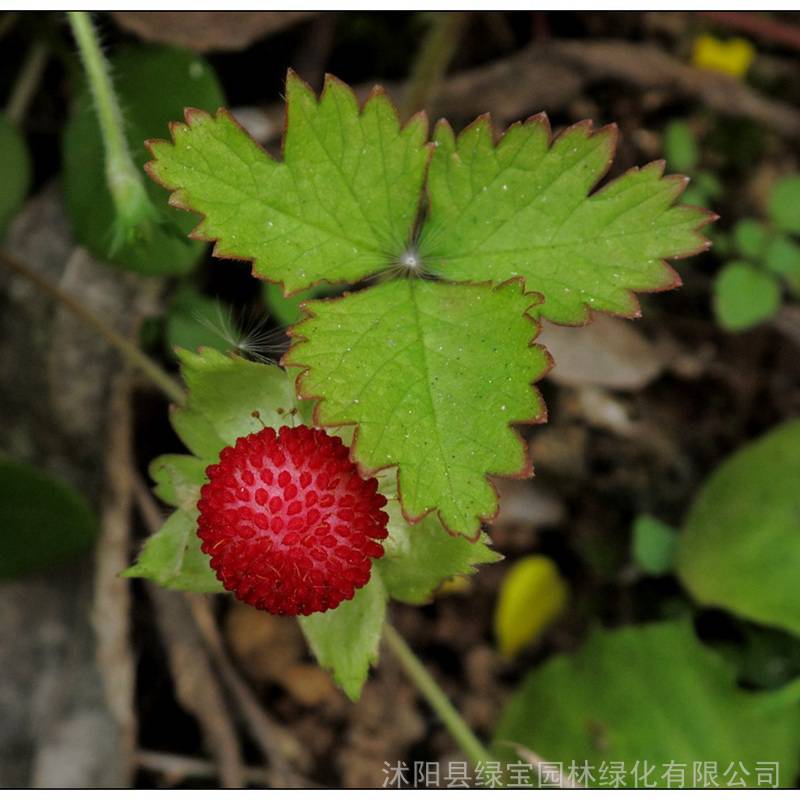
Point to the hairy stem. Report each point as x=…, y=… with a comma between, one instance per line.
x=438, y=700
x=132, y=354
x=27, y=83
x=132, y=204
x=433, y=59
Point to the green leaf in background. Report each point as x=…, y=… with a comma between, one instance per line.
x=433, y=375
x=751, y=238
x=652, y=693
x=784, y=204
x=43, y=522
x=154, y=85
x=346, y=639
x=680, y=146
x=744, y=296
x=740, y=545
x=286, y=310
x=195, y=320
x=653, y=545
x=522, y=208
x=15, y=172
x=707, y=183
x=340, y=207
x=419, y=558
x=783, y=258
x=172, y=557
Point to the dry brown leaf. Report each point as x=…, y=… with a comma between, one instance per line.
x=203, y=31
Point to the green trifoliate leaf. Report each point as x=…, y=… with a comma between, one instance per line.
x=745, y=296
x=522, y=208
x=345, y=640
x=740, y=546
x=340, y=206
x=433, y=374
x=652, y=695
x=149, y=101
x=419, y=558
x=172, y=557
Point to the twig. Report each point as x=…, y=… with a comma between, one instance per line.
x=177, y=768
x=437, y=699
x=433, y=59
x=756, y=25
x=111, y=603
x=157, y=375
x=278, y=746
x=28, y=80
x=195, y=683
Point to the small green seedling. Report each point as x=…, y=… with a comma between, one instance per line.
x=749, y=289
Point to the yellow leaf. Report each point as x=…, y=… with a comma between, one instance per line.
x=532, y=596
x=732, y=57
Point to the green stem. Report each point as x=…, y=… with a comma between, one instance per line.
x=131, y=202
x=27, y=82
x=438, y=700
x=157, y=375
x=433, y=59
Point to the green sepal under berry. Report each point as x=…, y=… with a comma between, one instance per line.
x=339, y=207
x=433, y=375
x=420, y=558
x=522, y=207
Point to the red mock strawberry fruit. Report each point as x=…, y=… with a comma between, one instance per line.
x=290, y=525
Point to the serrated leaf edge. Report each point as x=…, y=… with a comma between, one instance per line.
x=541, y=119
x=191, y=114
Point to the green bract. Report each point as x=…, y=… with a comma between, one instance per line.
x=430, y=373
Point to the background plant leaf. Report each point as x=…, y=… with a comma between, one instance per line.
x=340, y=206
x=419, y=558
x=740, y=546
x=651, y=693
x=433, y=374
x=745, y=296
x=43, y=520
x=522, y=208
x=346, y=639
x=149, y=102
x=15, y=172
